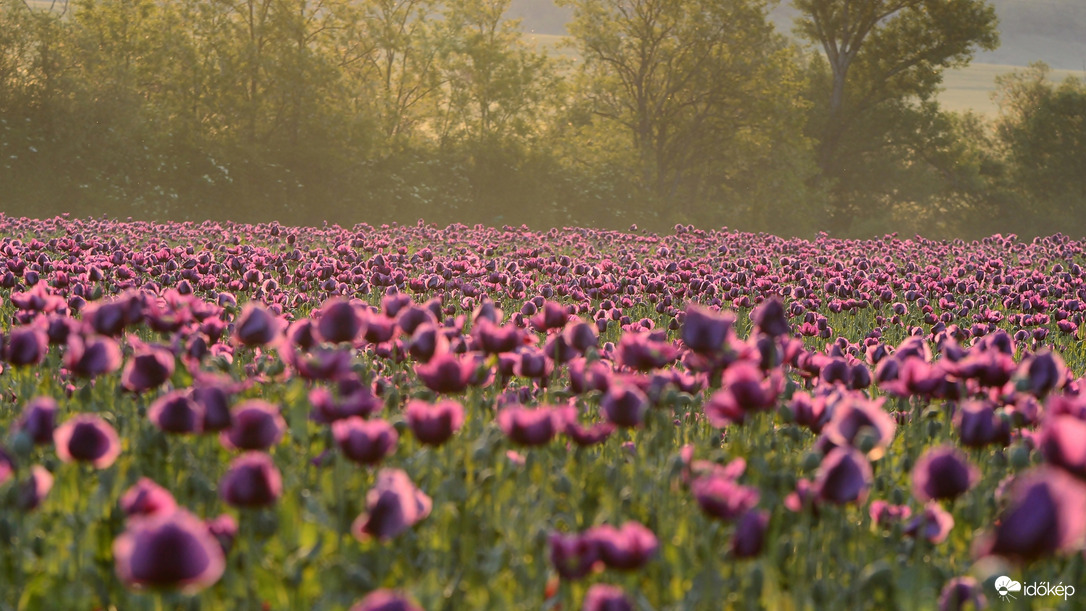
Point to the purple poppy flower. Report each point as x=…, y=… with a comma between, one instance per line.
x=532, y=363
x=379, y=328
x=961, y=593
x=1046, y=515
x=552, y=316
x=177, y=412
x=385, y=600
x=574, y=556
x=434, y=425
x=978, y=425
x=746, y=389
x=722, y=497
x=604, y=597
x=885, y=514
x=168, y=550
x=770, y=318
x=1042, y=373
x=1063, y=443
x=857, y=421
x=393, y=505
x=251, y=481
x=92, y=357
x=339, y=321
x=147, y=498
x=256, y=325
x=445, y=373
x=624, y=405
x=148, y=368
x=587, y=436
x=257, y=425
x=25, y=346
x=626, y=548
x=33, y=490
x=933, y=524
x=214, y=402
x=38, y=420
x=7, y=466
x=943, y=473
x=706, y=332
x=642, y=352
x=87, y=438
x=749, y=537
x=225, y=529
x=532, y=427
x=843, y=477
x=107, y=319
x=581, y=336
x=365, y=442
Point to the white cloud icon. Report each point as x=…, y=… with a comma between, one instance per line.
x=1005, y=585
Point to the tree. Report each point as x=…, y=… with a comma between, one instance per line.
x=1042, y=130
x=883, y=57
x=705, y=94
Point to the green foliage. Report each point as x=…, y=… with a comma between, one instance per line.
x=1042, y=127
x=884, y=61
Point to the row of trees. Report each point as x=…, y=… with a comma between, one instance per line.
x=659, y=112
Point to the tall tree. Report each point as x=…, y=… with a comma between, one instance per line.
x=703, y=91
x=884, y=57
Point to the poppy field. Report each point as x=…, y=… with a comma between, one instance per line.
x=224, y=416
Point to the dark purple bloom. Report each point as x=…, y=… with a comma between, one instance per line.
x=168, y=550
x=961, y=593
x=215, y=404
x=942, y=473
x=147, y=498
x=177, y=412
x=604, y=597
x=257, y=425
x=7, y=466
x=627, y=548
x=365, y=441
x=532, y=427
x=393, y=505
x=1042, y=373
x=641, y=352
x=978, y=425
x=434, y=425
x=624, y=405
x=339, y=321
x=92, y=357
x=1063, y=443
x=884, y=514
x=581, y=336
x=933, y=524
x=39, y=420
x=843, y=477
x=385, y=600
x=33, y=490
x=87, y=438
x=148, y=368
x=26, y=346
x=587, y=436
x=225, y=529
x=770, y=318
x=574, y=556
x=256, y=326
x=746, y=389
x=251, y=481
x=106, y=318
x=552, y=316
x=858, y=421
x=722, y=497
x=749, y=537
x=1046, y=515
x=446, y=373
x=705, y=331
